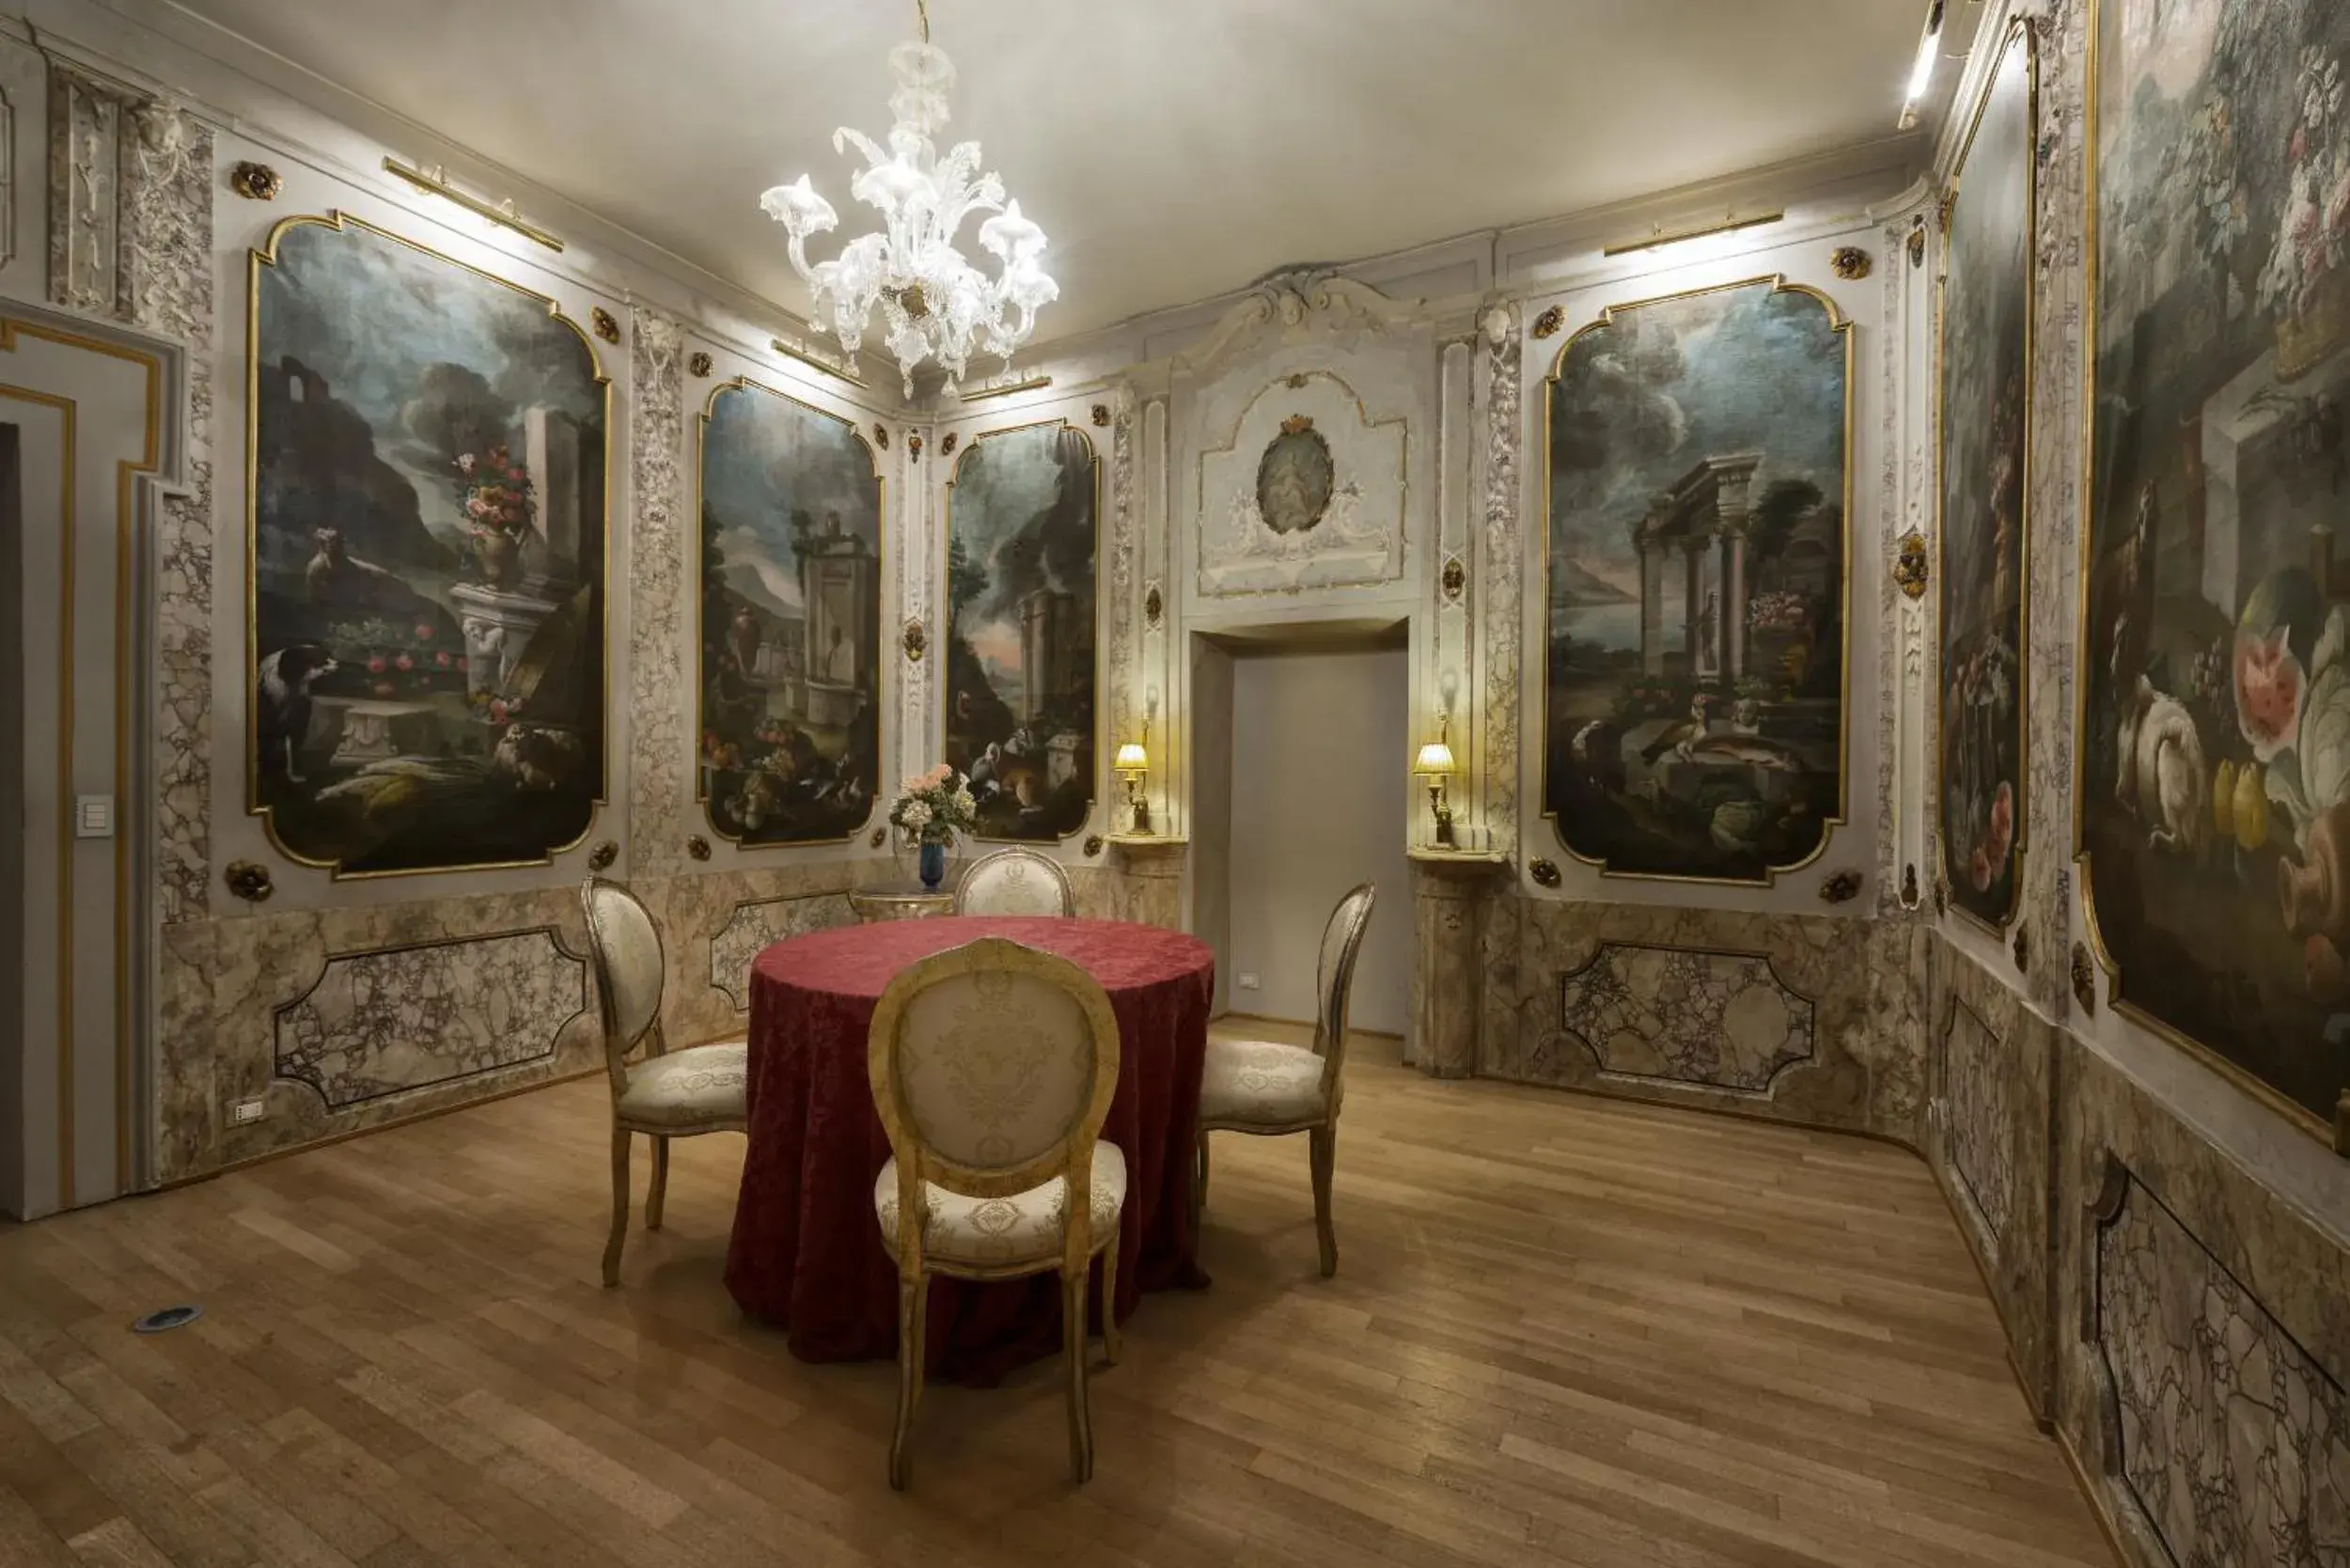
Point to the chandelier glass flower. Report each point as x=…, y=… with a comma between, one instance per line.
x=935, y=304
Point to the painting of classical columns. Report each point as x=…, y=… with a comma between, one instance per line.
x=1697, y=474
x=1022, y=542
x=427, y=549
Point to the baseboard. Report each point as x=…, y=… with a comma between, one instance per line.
x=1298, y=1024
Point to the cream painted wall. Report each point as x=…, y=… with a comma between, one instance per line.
x=1318, y=740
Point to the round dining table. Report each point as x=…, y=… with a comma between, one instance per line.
x=806, y=1252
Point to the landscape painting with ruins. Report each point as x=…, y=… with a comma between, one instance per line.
x=1021, y=552
x=790, y=621
x=428, y=529
x=1695, y=593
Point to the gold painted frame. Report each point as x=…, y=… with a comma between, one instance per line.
x=265, y=255
x=131, y=687
x=882, y=561
x=1231, y=445
x=2022, y=29
x=2335, y=1133
x=946, y=536
x=1843, y=326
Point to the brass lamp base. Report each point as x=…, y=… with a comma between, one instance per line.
x=1443, y=817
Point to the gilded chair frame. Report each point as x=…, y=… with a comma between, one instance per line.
x=620, y=1042
x=1051, y=868
x=1349, y=919
x=1070, y=1157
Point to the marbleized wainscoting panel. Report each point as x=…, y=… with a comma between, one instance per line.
x=660, y=694
x=715, y=919
x=2207, y=1335
x=187, y=1111
x=414, y=1015
x=1806, y=1019
x=758, y=924
x=1678, y=1015
x=390, y=1020
x=1990, y=1143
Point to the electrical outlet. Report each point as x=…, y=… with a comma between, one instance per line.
x=247, y=1111
x=1248, y=981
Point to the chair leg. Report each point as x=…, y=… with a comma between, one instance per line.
x=1200, y=1185
x=620, y=1207
x=659, y=1183
x=1326, y=1149
x=914, y=1301
x=1073, y=1290
x=1109, y=1301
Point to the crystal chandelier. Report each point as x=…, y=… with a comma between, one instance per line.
x=935, y=304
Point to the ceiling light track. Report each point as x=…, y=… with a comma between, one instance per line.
x=1659, y=241
x=1921, y=73
x=813, y=362
x=435, y=182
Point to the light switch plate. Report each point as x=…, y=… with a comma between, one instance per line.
x=246, y=1111
x=93, y=816
x=1248, y=981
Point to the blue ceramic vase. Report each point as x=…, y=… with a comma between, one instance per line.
x=933, y=864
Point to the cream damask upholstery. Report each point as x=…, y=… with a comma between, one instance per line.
x=993, y=1067
x=1024, y=1228
x=1262, y=1085
x=687, y=1091
x=1015, y=882
x=660, y=1093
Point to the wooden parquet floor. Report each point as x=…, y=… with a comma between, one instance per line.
x=1562, y=1331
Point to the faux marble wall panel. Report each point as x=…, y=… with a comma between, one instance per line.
x=2230, y=1439
x=376, y=1024
x=1667, y=1014
x=2208, y=1330
x=754, y=926
x=421, y=1025
x=1863, y=985
x=694, y=913
x=1990, y=1140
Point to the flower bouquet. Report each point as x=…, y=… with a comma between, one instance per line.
x=930, y=810
x=500, y=502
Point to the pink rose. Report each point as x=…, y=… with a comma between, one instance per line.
x=375, y=664
x=442, y=658
x=2002, y=830
x=497, y=710
x=1979, y=870
x=403, y=662
x=424, y=631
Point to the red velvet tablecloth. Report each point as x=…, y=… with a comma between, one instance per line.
x=806, y=1251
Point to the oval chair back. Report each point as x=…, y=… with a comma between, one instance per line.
x=1341, y=943
x=625, y=947
x=992, y=1065
x=1015, y=882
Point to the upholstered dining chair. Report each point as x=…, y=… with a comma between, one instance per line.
x=661, y=1093
x=1264, y=1086
x=1015, y=882
x=993, y=1066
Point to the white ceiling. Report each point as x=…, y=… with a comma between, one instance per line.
x=1171, y=149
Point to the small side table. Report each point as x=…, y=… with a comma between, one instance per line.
x=901, y=901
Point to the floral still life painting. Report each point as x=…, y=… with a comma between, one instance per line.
x=1982, y=417
x=426, y=554
x=2215, y=767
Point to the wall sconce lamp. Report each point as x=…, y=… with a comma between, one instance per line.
x=1133, y=765
x=1436, y=765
